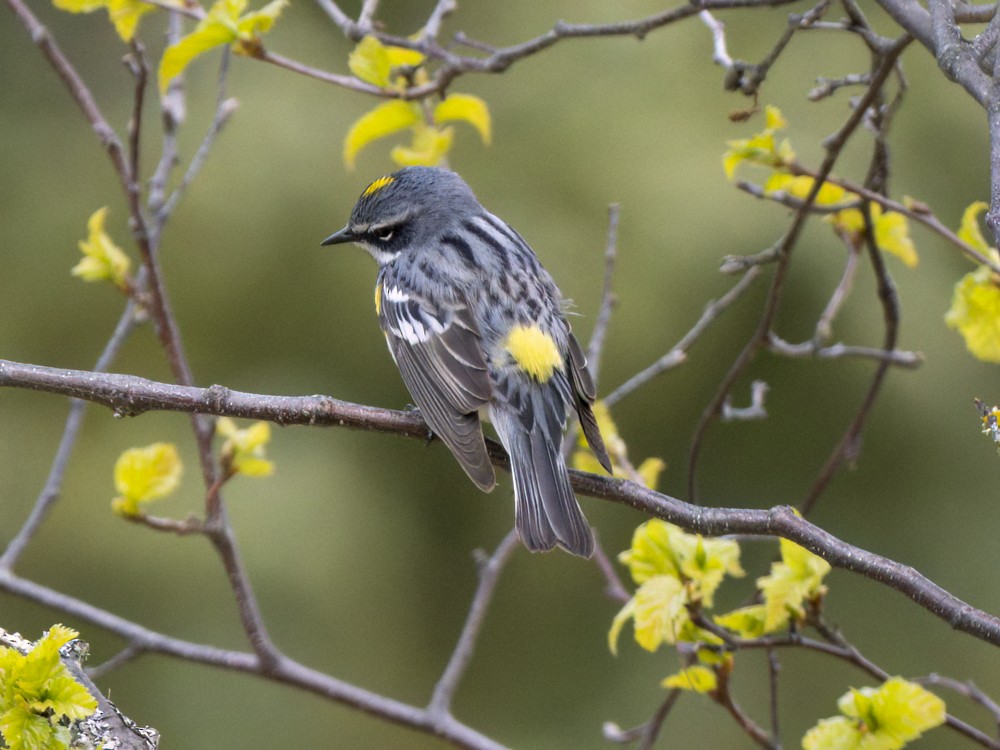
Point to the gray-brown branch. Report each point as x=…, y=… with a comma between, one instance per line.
x=128, y=395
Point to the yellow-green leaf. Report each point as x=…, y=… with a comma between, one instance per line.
x=79, y=6
x=260, y=21
x=467, y=108
x=144, y=474
x=696, y=678
x=659, y=548
x=385, y=119
x=850, y=220
x=892, y=234
x=125, y=15
x=883, y=718
x=975, y=313
x=660, y=609
x=797, y=577
x=244, y=448
x=837, y=733
x=209, y=33
x=762, y=148
x=746, y=622
x=625, y=614
x=374, y=62
x=773, y=119
x=800, y=186
x=969, y=231
x=429, y=147
x=102, y=259
x=223, y=24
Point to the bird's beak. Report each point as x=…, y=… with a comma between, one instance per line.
x=340, y=237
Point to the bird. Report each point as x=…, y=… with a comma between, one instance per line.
x=478, y=330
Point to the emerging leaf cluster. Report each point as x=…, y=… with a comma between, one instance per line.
x=674, y=570
x=39, y=697
x=394, y=68
x=243, y=449
x=102, y=259
x=890, y=229
x=795, y=580
x=678, y=573
x=225, y=23
x=884, y=718
x=145, y=474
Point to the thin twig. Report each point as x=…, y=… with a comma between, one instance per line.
x=224, y=109
x=921, y=215
x=53, y=483
x=336, y=14
x=76, y=86
x=748, y=78
x=171, y=116
x=848, y=446
x=751, y=728
x=824, y=326
x=368, y=9
x=614, y=587
x=834, y=145
x=969, y=689
x=135, y=60
x=897, y=357
x=651, y=729
x=442, y=9
x=773, y=671
x=679, y=352
x=608, y=299
x=829, y=86
x=489, y=575
x=756, y=409
x=720, y=55
x=120, y=659
x=497, y=60
x=648, y=731
x=285, y=670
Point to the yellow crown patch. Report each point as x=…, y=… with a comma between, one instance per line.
x=380, y=183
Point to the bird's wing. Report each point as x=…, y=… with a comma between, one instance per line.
x=439, y=354
x=586, y=392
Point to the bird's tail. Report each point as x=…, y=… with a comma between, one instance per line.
x=546, y=512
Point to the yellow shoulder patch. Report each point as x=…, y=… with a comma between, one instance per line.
x=534, y=351
x=380, y=183
x=378, y=298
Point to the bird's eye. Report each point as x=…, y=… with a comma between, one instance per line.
x=386, y=234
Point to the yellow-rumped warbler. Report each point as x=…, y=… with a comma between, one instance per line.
x=476, y=327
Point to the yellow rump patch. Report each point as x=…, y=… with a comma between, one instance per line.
x=380, y=183
x=378, y=299
x=534, y=351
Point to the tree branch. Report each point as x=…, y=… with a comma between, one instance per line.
x=284, y=670
x=128, y=395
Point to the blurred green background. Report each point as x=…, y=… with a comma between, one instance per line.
x=360, y=546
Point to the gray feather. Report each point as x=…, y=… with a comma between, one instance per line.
x=447, y=377
x=586, y=392
x=546, y=511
